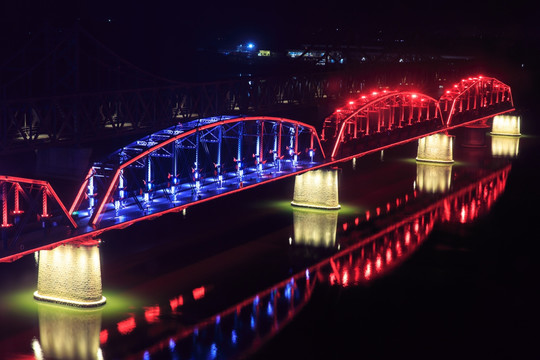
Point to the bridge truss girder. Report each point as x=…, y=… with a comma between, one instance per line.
x=378, y=112
x=188, y=154
x=477, y=94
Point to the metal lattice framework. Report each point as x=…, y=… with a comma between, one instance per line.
x=380, y=111
x=475, y=94
x=25, y=200
x=194, y=154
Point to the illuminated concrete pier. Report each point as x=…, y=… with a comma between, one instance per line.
x=436, y=148
x=508, y=125
x=317, y=189
x=315, y=227
x=71, y=275
x=433, y=177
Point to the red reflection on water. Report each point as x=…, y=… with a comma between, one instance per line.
x=126, y=326
x=378, y=263
x=151, y=314
x=103, y=336
x=463, y=215
x=345, y=278
x=407, y=237
x=367, y=271
x=176, y=302
x=398, y=249
x=198, y=293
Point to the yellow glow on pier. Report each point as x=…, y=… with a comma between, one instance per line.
x=71, y=275
x=436, y=148
x=508, y=125
x=317, y=189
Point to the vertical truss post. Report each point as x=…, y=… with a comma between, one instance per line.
x=45, y=214
x=239, y=157
x=218, y=160
x=5, y=222
x=17, y=210
x=174, y=162
x=196, y=170
x=90, y=193
x=121, y=191
x=148, y=176
x=260, y=146
x=295, y=144
x=379, y=119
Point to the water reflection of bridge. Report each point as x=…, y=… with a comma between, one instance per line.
x=243, y=327
x=197, y=161
x=363, y=258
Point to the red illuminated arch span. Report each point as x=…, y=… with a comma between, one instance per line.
x=402, y=107
x=474, y=93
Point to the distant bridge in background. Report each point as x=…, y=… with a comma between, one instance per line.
x=78, y=91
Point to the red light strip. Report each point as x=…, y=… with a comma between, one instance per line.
x=78, y=199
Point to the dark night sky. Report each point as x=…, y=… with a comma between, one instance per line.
x=171, y=28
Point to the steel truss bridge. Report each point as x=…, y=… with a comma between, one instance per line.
x=200, y=160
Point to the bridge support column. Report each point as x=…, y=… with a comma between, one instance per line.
x=506, y=125
x=71, y=275
x=436, y=148
x=317, y=189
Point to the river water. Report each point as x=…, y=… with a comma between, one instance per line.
x=424, y=261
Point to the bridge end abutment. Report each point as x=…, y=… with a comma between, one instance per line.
x=317, y=189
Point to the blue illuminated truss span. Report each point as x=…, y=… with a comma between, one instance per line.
x=191, y=160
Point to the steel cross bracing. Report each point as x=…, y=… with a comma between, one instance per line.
x=195, y=161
